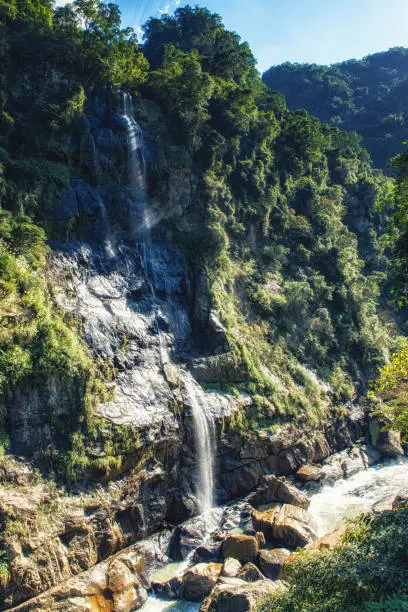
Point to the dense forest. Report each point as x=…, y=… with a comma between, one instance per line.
x=301, y=243
x=286, y=213
x=367, y=96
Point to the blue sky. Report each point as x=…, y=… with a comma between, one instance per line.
x=321, y=31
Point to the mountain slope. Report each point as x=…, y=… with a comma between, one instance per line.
x=366, y=95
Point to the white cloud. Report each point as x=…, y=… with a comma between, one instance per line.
x=164, y=10
x=168, y=8
x=62, y=2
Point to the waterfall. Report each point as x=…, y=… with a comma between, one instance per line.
x=109, y=242
x=142, y=219
x=137, y=172
x=204, y=445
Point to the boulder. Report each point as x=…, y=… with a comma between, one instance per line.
x=310, y=473
x=329, y=540
x=260, y=538
x=384, y=504
x=127, y=592
x=187, y=537
x=199, y=581
x=239, y=597
x=242, y=547
x=250, y=573
x=275, y=489
x=401, y=500
x=389, y=444
x=231, y=568
x=289, y=525
x=386, y=441
x=210, y=551
x=271, y=561
x=171, y=589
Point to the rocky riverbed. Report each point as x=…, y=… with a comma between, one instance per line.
x=235, y=551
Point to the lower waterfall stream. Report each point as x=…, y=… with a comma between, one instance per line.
x=333, y=505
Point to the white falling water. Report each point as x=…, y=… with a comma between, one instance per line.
x=137, y=164
x=203, y=424
x=109, y=242
x=137, y=171
x=205, y=447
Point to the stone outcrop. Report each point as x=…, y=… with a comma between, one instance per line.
x=271, y=561
x=309, y=473
x=199, y=581
x=243, y=467
x=241, y=547
x=116, y=585
x=239, y=596
x=289, y=525
x=275, y=489
x=349, y=461
x=386, y=441
x=219, y=368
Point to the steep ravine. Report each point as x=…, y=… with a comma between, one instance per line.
x=136, y=297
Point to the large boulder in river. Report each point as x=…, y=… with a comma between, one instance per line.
x=127, y=591
x=386, y=441
x=400, y=500
x=275, y=489
x=242, y=547
x=250, y=573
x=239, y=596
x=289, y=525
x=231, y=568
x=199, y=581
x=171, y=588
x=309, y=473
x=271, y=561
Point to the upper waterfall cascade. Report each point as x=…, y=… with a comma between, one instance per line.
x=203, y=422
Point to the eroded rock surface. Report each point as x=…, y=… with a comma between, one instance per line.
x=290, y=525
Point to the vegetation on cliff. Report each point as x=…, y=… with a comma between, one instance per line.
x=367, y=96
x=285, y=219
x=287, y=222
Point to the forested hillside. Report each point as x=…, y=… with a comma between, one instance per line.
x=367, y=96
x=284, y=218
x=195, y=291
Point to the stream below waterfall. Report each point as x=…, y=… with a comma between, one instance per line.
x=333, y=505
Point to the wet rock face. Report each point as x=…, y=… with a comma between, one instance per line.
x=289, y=525
x=239, y=596
x=387, y=442
x=199, y=581
x=218, y=368
x=241, y=547
x=271, y=561
x=275, y=489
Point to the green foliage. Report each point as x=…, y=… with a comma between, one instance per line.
x=366, y=96
x=390, y=391
x=4, y=569
x=277, y=223
x=367, y=571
